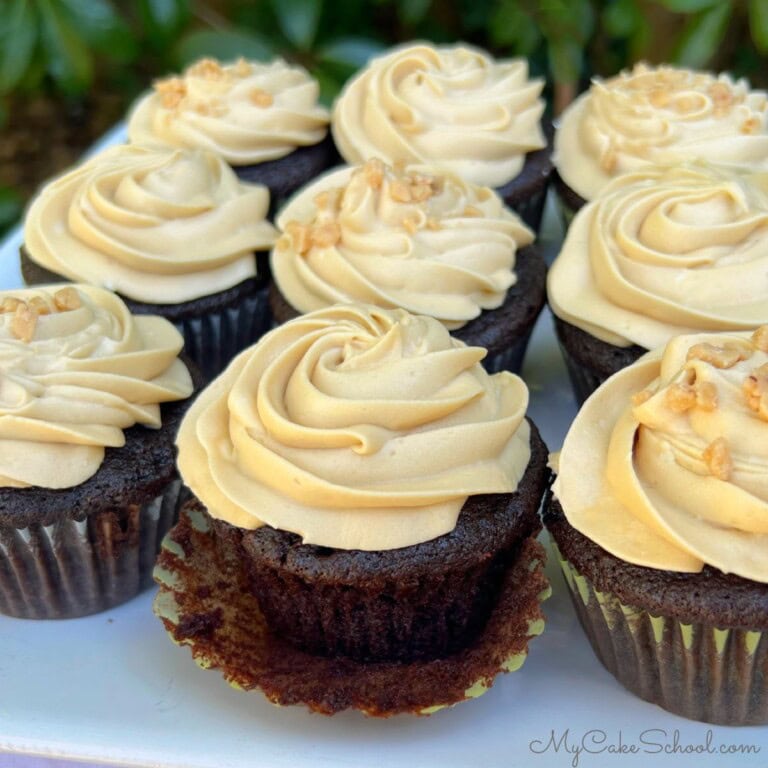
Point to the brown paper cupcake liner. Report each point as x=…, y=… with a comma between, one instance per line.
x=87, y=564
x=702, y=672
x=205, y=603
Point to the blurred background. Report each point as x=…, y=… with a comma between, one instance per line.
x=70, y=68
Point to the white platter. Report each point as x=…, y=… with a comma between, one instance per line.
x=113, y=689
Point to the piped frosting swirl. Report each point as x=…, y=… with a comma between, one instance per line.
x=157, y=226
x=453, y=107
x=408, y=236
x=77, y=369
x=356, y=428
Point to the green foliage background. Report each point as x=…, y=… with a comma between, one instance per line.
x=71, y=48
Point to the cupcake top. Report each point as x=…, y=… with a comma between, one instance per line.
x=403, y=236
x=247, y=112
x=664, y=252
x=666, y=465
x=157, y=226
x=356, y=428
x=450, y=106
x=77, y=370
x=662, y=116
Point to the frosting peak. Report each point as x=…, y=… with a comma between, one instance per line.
x=453, y=107
x=357, y=428
x=402, y=236
x=247, y=112
x=666, y=466
x=78, y=369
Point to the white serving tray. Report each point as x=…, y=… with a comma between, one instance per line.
x=112, y=688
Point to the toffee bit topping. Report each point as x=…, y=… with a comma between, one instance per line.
x=261, y=98
x=400, y=191
x=326, y=234
x=719, y=357
x=760, y=338
x=659, y=97
x=39, y=306
x=755, y=389
x=706, y=395
x=299, y=234
x=23, y=323
x=718, y=459
x=750, y=125
x=242, y=68
x=283, y=243
x=209, y=69
x=305, y=236
x=608, y=160
x=411, y=223
x=680, y=397
x=66, y=299
x=172, y=91
x=721, y=95
x=9, y=304
x=643, y=396
x=472, y=213
x=373, y=170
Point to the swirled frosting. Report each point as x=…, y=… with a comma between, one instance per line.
x=454, y=107
x=666, y=465
x=78, y=369
x=659, y=116
x=408, y=237
x=247, y=112
x=157, y=226
x=356, y=428
x=664, y=252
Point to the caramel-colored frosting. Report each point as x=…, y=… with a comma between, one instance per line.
x=408, y=237
x=666, y=465
x=665, y=252
x=453, y=107
x=356, y=428
x=77, y=370
x=247, y=112
x=659, y=116
x=157, y=226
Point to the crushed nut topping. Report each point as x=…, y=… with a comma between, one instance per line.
x=718, y=459
x=209, y=69
x=760, y=338
x=719, y=357
x=659, y=97
x=706, y=395
x=680, y=397
x=325, y=235
x=23, y=323
x=299, y=234
x=721, y=95
x=172, y=91
x=411, y=223
x=750, y=125
x=374, y=173
x=755, y=389
x=39, y=306
x=400, y=191
x=67, y=299
x=472, y=213
x=242, y=68
x=9, y=304
x=643, y=396
x=261, y=98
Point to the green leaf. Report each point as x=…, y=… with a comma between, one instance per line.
x=411, y=12
x=511, y=26
x=702, y=36
x=225, y=45
x=163, y=19
x=689, y=6
x=758, y=24
x=329, y=85
x=565, y=60
x=10, y=207
x=69, y=61
x=298, y=20
x=103, y=28
x=17, y=44
x=352, y=52
x=621, y=18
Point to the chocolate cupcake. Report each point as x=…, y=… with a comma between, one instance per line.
x=454, y=108
x=85, y=496
x=175, y=233
x=263, y=119
x=658, y=115
x=660, y=524
x=366, y=507
x=417, y=238
x=659, y=253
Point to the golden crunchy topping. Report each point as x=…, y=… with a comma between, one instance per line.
x=39, y=306
x=760, y=338
x=299, y=234
x=471, y=212
x=706, y=395
x=328, y=200
x=326, y=234
x=172, y=91
x=680, y=397
x=400, y=191
x=373, y=170
x=283, y=243
x=609, y=159
x=719, y=357
x=23, y=323
x=750, y=125
x=659, y=97
x=721, y=95
x=642, y=396
x=755, y=389
x=67, y=299
x=411, y=223
x=9, y=304
x=261, y=98
x=718, y=459
x=242, y=68
x=209, y=69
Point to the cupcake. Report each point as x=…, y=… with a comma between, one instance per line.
x=175, y=233
x=417, y=238
x=363, y=528
x=657, y=254
x=262, y=118
x=452, y=107
x=656, y=116
x=660, y=522
x=88, y=484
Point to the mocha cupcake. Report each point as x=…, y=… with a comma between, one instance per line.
x=656, y=116
x=88, y=485
x=661, y=523
x=417, y=238
x=659, y=253
x=175, y=233
x=363, y=533
x=454, y=108
x=263, y=119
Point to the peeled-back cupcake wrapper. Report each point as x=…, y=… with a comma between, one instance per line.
x=75, y=567
x=205, y=603
x=702, y=672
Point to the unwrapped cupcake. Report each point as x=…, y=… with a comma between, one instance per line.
x=363, y=532
x=659, y=253
x=452, y=107
x=175, y=233
x=661, y=522
x=414, y=237
x=88, y=483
